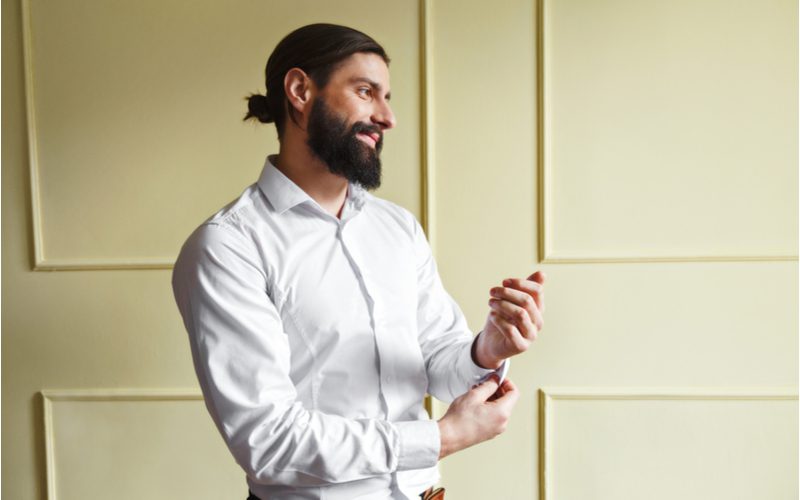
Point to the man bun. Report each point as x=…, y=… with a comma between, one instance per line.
x=258, y=108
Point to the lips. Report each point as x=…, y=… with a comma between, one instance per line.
x=370, y=138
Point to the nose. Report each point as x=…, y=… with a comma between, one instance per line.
x=383, y=116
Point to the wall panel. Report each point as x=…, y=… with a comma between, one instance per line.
x=660, y=443
x=668, y=130
x=135, y=111
x=135, y=444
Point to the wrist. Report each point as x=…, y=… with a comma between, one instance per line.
x=480, y=356
x=447, y=438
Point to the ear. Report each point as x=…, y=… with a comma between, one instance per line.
x=297, y=86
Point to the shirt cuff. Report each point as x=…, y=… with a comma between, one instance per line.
x=419, y=444
x=500, y=371
x=475, y=374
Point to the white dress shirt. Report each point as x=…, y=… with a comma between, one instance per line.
x=315, y=339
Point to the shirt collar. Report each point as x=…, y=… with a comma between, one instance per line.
x=284, y=194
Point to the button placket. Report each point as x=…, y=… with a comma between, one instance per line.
x=384, y=362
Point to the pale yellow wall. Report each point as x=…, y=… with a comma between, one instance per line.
x=663, y=198
x=686, y=369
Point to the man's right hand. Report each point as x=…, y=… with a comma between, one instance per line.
x=478, y=415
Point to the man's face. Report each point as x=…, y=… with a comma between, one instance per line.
x=348, y=117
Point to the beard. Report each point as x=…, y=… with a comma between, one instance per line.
x=340, y=148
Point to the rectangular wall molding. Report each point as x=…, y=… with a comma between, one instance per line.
x=51, y=397
x=43, y=256
x=550, y=397
x=592, y=248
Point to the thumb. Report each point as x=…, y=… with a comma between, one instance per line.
x=510, y=395
x=485, y=390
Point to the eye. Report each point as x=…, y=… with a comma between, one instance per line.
x=364, y=92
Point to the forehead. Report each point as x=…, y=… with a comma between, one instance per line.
x=361, y=65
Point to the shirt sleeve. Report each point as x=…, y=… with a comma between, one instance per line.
x=444, y=336
x=242, y=360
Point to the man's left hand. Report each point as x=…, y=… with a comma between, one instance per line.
x=514, y=321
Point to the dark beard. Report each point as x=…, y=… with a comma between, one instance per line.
x=343, y=152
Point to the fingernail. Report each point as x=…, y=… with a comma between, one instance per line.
x=506, y=282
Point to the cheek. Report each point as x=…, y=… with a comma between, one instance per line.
x=352, y=109
x=360, y=114
x=356, y=109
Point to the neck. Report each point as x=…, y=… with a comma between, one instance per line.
x=298, y=163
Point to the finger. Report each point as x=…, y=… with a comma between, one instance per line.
x=485, y=390
x=518, y=297
x=526, y=286
x=504, y=388
x=537, y=319
x=518, y=316
x=508, y=309
x=497, y=394
x=538, y=276
x=523, y=300
x=510, y=331
x=507, y=385
x=532, y=288
x=510, y=396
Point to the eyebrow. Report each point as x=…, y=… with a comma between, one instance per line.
x=377, y=86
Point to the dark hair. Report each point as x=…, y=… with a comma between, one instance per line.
x=316, y=49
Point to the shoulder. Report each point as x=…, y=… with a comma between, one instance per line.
x=227, y=235
x=240, y=215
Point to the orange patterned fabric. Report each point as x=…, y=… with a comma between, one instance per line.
x=433, y=494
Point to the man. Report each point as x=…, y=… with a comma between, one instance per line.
x=315, y=313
